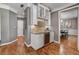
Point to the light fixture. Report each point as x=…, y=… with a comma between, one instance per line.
x=61, y=21
x=21, y=5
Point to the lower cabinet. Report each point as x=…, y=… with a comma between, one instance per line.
x=37, y=41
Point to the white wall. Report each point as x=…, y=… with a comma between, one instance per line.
x=20, y=28
x=55, y=25
x=4, y=6
x=72, y=13
x=72, y=31
x=78, y=30
x=0, y=27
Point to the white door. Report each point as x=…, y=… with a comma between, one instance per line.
x=20, y=28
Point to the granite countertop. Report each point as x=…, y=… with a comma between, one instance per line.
x=40, y=32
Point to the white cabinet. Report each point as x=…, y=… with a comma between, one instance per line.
x=37, y=40
x=43, y=13
x=40, y=12
x=46, y=15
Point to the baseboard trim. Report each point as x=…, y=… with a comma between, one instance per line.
x=56, y=42
x=8, y=43
x=27, y=44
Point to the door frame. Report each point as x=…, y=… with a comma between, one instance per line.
x=77, y=6
x=20, y=19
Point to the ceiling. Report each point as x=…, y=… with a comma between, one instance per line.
x=57, y=6
x=17, y=7
x=52, y=6
x=69, y=14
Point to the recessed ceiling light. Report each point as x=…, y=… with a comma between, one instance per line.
x=21, y=5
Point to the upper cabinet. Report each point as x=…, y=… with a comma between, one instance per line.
x=41, y=12
x=46, y=14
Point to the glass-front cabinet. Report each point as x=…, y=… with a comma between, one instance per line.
x=40, y=12
x=43, y=13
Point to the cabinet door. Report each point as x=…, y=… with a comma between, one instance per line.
x=37, y=41
x=46, y=14
x=40, y=12
x=46, y=17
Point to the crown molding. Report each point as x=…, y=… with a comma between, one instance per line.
x=62, y=7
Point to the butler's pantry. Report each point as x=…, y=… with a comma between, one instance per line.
x=39, y=28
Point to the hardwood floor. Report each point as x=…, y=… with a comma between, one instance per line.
x=67, y=47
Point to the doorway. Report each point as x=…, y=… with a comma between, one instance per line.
x=69, y=27
x=20, y=38
x=20, y=27
x=0, y=28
